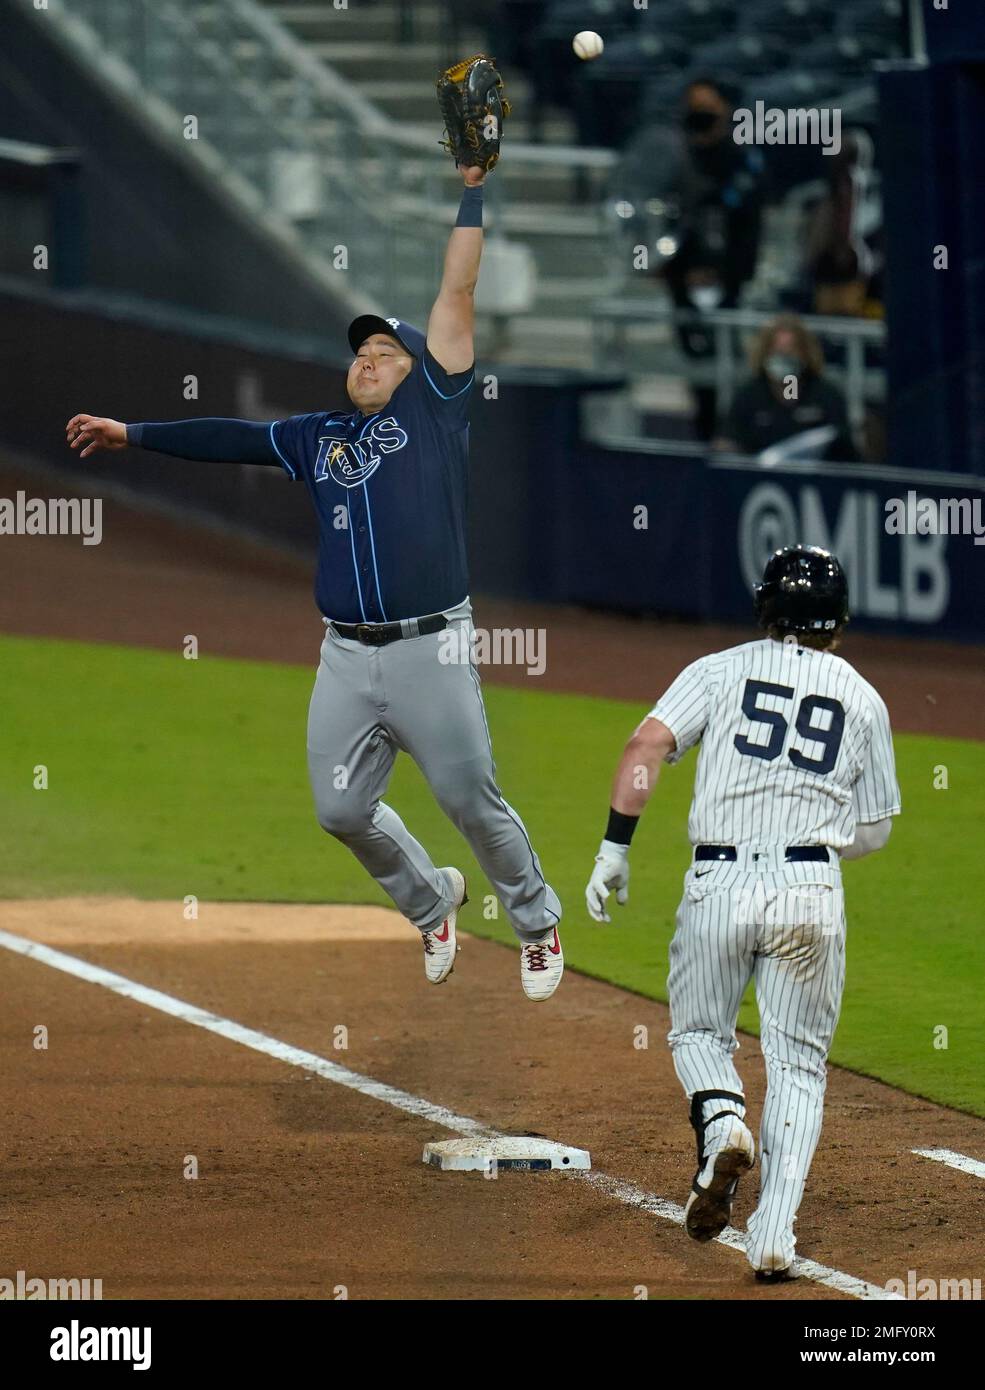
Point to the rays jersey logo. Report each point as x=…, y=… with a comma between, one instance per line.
x=350, y=462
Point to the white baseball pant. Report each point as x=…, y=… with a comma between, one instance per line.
x=782, y=925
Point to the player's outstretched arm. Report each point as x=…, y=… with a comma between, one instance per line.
x=636, y=776
x=473, y=105
x=205, y=440
x=451, y=325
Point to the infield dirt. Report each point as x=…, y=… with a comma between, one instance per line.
x=304, y=1187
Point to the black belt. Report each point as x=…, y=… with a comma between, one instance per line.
x=815, y=854
x=381, y=634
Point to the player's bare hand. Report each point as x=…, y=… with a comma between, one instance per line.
x=88, y=433
x=472, y=175
x=611, y=872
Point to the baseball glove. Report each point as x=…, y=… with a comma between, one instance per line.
x=474, y=107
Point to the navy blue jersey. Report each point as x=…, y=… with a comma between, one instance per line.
x=390, y=489
x=390, y=493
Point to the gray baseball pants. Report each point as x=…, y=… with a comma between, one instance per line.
x=420, y=695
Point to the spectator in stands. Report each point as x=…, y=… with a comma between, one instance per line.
x=788, y=396
x=710, y=191
x=704, y=287
x=844, y=235
x=718, y=186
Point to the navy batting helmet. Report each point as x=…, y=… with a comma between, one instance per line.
x=804, y=589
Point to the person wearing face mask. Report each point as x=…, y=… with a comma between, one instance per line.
x=712, y=192
x=787, y=396
x=720, y=195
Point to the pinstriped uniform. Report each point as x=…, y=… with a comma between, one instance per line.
x=796, y=749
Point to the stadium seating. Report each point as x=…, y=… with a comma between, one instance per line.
x=790, y=51
x=293, y=139
x=609, y=96
x=882, y=19
x=551, y=56
x=791, y=21
x=848, y=55
x=694, y=21
x=741, y=56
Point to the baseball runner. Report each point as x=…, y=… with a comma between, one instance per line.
x=388, y=483
x=795, y=772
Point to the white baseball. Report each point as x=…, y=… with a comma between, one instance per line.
x=587, y=44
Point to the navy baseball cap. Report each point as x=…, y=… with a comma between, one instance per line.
x=406, y=334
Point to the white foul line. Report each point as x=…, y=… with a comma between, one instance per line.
x=962, y=1162
x=236, y=1032
x=614, y=1188
x=658, y=1206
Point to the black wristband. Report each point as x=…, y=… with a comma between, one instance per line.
x=620, y=828
x=470, y=208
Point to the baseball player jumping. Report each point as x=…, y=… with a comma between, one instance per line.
x=388, y=484
x=795, y=773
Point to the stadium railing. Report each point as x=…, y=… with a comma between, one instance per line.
x=41, y=207
x=613, y=316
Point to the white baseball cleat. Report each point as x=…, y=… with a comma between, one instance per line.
x=541, y=966
x=440, y=944
x=771, y=1256
x=709, y=1206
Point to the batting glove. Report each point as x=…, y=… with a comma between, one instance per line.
x=611, y=871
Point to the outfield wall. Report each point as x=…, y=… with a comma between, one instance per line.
x=712, y=524
x=553, y=517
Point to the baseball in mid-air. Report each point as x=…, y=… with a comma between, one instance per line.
x=587, y=44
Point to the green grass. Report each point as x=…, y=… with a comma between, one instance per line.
x=168, y=777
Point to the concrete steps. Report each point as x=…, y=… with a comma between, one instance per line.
x=363, y=61
x=317, y=21
x=391, y=54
